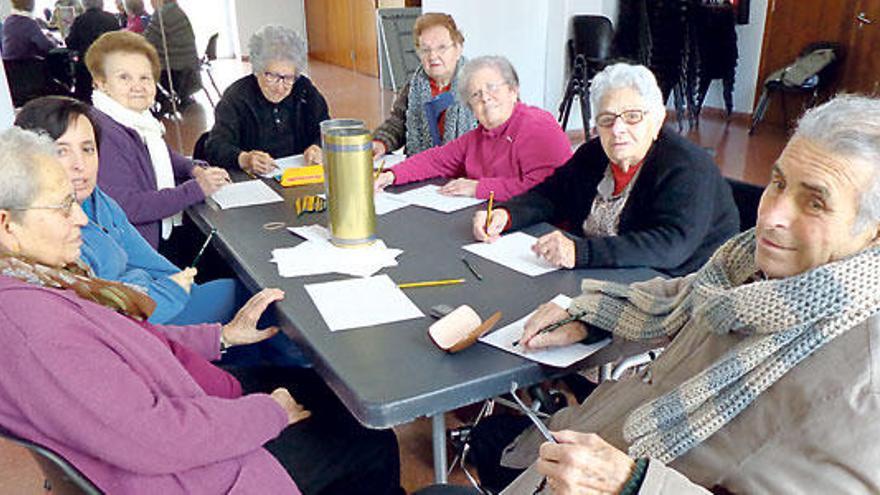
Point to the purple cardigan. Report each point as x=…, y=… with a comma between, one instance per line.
x=510, y=159
x=126, y=173
x=23, y=38
x=109, y=397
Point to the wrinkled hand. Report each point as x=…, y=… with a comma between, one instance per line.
x=185, y=278
x=378, y=149
x=243, y=327
x=256, y=162
x=384, y=180
x=496, y=225
x=556, y=248
x=210, y=179
x=295, y=412
x=460, y=187
x=313, y=155
x=546, y=314
x=583, y=463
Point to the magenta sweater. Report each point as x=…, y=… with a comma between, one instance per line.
x=510, y=159
x=95, y=387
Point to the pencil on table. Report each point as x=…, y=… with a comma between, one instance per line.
x=431, y=283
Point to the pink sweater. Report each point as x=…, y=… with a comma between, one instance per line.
x=510, y=159
x=93, y=386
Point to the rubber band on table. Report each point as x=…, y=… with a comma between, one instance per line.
x=274, y=225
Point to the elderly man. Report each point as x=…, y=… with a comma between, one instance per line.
x=769, y=380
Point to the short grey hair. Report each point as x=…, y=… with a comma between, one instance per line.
x=622, y=75
x=497, y=62
x=93, y=4
x=21, y=182
x=848, y=126
x=273, y=43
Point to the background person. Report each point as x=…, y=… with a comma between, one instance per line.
x=515, y=147
x=274, y=112
x=22, y=36
x=152, y=183
x=183, y=58
x=425, y=112
x=637, y=195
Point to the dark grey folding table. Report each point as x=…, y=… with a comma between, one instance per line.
x=391, y=374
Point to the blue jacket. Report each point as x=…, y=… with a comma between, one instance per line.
x=116, y=251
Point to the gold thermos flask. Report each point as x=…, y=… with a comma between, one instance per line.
x=348, y=179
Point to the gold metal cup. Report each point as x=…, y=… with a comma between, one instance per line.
x=348, y=179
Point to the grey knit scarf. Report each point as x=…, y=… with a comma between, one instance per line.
x=784, y=321
x=459, y=118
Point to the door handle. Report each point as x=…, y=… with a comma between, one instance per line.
x=863, y=19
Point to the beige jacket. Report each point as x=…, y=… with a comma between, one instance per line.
x=816, y=430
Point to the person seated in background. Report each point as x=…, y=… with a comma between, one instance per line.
x=112, y=247
x=136, y=16
x=22, y=36
x=142, y=179
x=272, y=113
x=636, y=196
x=85, y=30
x=426, y=113
x=768, y=383
x=182, y=67
x=136, y=407
x=515, y=147
x=63, y=15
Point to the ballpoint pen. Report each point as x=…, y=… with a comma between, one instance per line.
x=204, y=246
x=557, y=324
x=471, y=268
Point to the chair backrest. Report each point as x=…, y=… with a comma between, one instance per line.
x=28, y=79
x=62, y=478
x=199, y=148
x=592, y=37
x=747, y=197
x=211, y=49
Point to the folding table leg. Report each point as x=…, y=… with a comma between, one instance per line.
x=438, y=424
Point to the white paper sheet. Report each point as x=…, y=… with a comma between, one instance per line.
x=282, y=164
x=515, y=252
x=390, y=160
x=560, y=357
x=387, y=202
x=317, y=255
x=362, y=302
x=430, y=197
x=247, y=193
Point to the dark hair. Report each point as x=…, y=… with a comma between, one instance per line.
x=53, y=115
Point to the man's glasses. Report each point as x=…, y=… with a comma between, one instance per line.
x=488, y=89
x=426, y=52
x=630, y=117
x=275, y=78
x=66, y=207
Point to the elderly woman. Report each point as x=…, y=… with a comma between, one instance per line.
x=22, y=36
x=112, y=247
x=425, y=113
x=637, y=195
x=168, y=421
x=274, y=112
x=515, y=147
x=769, y=381
x=152, y=183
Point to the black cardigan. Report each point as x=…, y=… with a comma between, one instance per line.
x=679, y=210
x=245, y=121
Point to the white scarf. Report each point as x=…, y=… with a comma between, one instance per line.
x=151, y=132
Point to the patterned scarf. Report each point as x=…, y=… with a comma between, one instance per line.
x=78, y=278
x=459, y=118
x=783, y=321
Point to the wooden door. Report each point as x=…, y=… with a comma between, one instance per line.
x=790, y=26
x=862, y=70
x=366, y=55
x=343, y=33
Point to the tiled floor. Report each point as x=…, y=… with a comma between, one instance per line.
x=353, y=95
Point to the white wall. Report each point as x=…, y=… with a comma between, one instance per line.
x=290, y=13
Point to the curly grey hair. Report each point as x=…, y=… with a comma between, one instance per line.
x=622, y=75
x=497, y=62
x=18, y=147
x=273, y=43
x=849, y=126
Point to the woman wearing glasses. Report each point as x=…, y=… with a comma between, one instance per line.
x=637, y=195
x=425, y=113
x=515, y=147
x=273, y=113
x=150, y=181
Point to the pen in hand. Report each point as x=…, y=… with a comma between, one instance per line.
x=202, y=249
x=489, y=211
x=553, y=326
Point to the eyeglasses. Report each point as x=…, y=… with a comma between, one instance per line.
x=275, y=78
x=489, y=89
x=425, y=52
x=630, y=117
x=66, y=207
